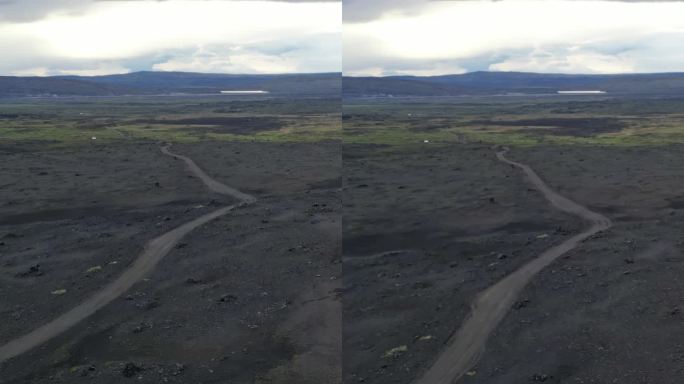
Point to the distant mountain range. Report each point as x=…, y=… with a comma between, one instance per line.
x=491, y=83
x=331, y=84
x=146, y=83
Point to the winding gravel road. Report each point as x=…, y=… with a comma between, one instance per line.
x=490, y=306
x=208, y=181
x=153, y=252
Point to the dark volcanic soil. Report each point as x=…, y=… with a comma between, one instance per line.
x=248, y=298
x=225, y=124
x=567, y=126
x=425, y=229
x=610, y=312
x=422, y=237
x=65, y=211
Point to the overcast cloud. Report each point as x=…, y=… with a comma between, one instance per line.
x=565, y=36
x=50, y=37
x=381, y=37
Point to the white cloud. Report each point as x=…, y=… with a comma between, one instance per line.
x=116, y=31
x=37, y=71
x=566, y=62
x=581, y=35
x=370, y=71
x=233, y=61
x=94, y=70
x=433, y=69
x=122, y=29
x=430, y=70
x=98, y=69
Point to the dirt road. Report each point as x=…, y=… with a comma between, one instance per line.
x=490, y=306
x=208, y=181
x=153, y=252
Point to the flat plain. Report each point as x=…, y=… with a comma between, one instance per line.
x=432, y=218
x=248, y=297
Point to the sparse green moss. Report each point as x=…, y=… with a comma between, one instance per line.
x=74, y=121
x=401, y=122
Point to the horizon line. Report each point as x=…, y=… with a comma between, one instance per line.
x=518, y=72
x=185, y=72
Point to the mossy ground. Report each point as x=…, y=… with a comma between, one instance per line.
x=491, y=120
x=74, y=121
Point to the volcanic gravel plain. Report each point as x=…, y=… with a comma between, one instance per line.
x=121, y=261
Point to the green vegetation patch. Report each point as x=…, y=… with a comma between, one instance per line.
x=514, y=122
x=174, y=119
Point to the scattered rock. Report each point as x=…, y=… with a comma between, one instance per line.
x=87, y=370
x=228, y=298
x=131, y=370
x=141, y=327
x=147, y=304
x=562, y=231
x=520, y=304
x=422, y=285
x=395, y=352
x=96, y=268
x=82, y=370
x=33, y=270
x=538, y=377
x=178, y=369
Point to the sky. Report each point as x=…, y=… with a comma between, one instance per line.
x=422, y=37
x=91, y=37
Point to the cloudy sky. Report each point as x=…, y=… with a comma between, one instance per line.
x=422, y=37
x=91, y=37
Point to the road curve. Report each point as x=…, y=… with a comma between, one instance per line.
x=153, y=252
x=208, y=181
x=491, y=305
